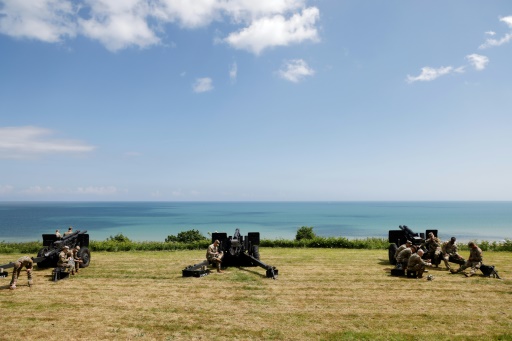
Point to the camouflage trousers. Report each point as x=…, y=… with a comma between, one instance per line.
x=16, y=274
x=470, y=264
x=419, y=268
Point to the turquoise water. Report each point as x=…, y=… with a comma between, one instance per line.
x=26, y=221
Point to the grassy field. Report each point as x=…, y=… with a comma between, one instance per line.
x=320, y=294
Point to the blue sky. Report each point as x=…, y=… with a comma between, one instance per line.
x=279, y=100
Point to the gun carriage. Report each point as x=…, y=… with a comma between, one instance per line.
x=238, y=251
x=48, y=256
x=399, y=237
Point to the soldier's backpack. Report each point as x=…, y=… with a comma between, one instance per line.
x=489, y=270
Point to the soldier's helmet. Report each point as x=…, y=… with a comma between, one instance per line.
x=77, y=247
x=408, y=242
x=453, y=239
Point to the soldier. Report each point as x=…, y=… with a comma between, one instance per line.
x=64, y=260
x=26, y=262
x=214, y=256
x=58, y=235
x=450, y=249
x=69, y=231
x=417, y=264
x=77, y=259
x=402, y=247
x=403, y=257
x=474, y=261
x=433, y=247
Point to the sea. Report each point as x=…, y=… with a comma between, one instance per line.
x=154, y=221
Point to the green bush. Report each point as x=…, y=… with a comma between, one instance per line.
x=305, y=233
x=119, y=238
x=189, y=236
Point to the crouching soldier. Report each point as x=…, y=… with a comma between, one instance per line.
x=403, y=257
x=450, y=249
x=474, y=261
x=64, y=260
x=214, y=256
x=417, y=264
x=26, y=262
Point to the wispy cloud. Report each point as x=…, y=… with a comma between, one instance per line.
x=89, y=190
x=478, y=61
x=295, y=70
x=498, y=42
x=429, y=74
x=233, y=72
x=122, y=24
x=203, y=85
x=29, y=141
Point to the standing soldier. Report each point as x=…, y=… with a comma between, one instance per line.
x=58, y=235
x=64, y=260
x=26, y=262
x=474, y=261
x=417, y=264
x=450, y=249
x=77, y=259
x=214, y=256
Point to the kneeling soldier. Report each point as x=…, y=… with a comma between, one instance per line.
x=416, y=263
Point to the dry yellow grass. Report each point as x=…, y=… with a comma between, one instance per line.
x=321, y=294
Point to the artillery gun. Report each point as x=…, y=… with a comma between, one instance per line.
x=399, y=237
x=238, y=251
x=48, y=256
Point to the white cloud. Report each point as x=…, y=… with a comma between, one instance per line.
x=295, y=70
x=478, y=61
x=429, y=74
x=20, y=142
x=203, y=85
x=233, y=72
x=507, y=20
x=276, y=31
x=119, y=24
x=490, y=33
x=498, y=42
x=46, y=20
x=90, y=190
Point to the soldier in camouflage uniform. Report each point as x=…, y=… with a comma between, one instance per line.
x=474, y=261
x=450, y=249
x=77, y=259
x=214, y=256
x=26, y=262
x=403, y=247
x=433, y=247
x=63, y=261
x=403, y=257
x=415, y=263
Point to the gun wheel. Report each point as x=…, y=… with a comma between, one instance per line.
x=85, y=254
x=391, y=253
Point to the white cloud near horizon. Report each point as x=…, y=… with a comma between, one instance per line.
x=139, y=23
x=203, y=85
x=89, y=190
x=478, y=61
x=295, y=70
x=28, y=141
